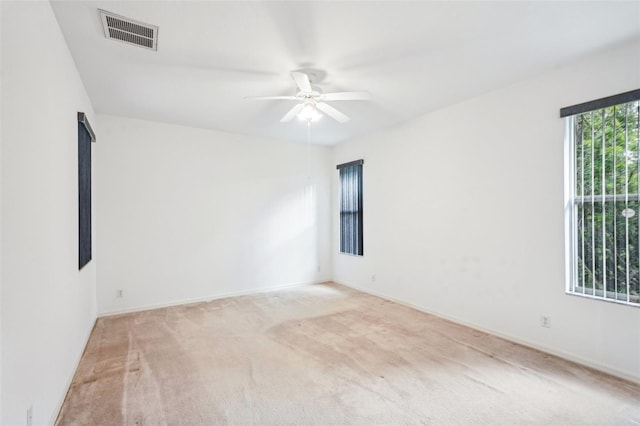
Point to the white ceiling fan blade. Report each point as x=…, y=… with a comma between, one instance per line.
x=289, y=98
x=302, y=80
x=346, y=96
x=332, y=112
x=292, y=113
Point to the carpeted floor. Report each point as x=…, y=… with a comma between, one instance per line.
x=328, y=355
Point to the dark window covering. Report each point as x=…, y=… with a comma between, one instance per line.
x=622, y=98
x=351, y=208
x=84, y=193
x=82, y=118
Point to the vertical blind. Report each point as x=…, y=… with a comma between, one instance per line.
x=85, y=137
x=605, y=196
x=351, y=207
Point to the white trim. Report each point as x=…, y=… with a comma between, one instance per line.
x=209, y=298
x=56, y=412
x=561, y=354
x=570, y=231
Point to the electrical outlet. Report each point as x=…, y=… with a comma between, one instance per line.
x=545, y=321
x=30, y=416
x=373, y=278
x=119, y=293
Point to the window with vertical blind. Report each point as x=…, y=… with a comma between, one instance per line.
x=602, y=198
x=351, y=207
x=85, y=137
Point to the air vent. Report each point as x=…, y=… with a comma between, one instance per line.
x=129, y=31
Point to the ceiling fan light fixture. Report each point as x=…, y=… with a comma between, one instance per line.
x=309, y=113
x=313, y=102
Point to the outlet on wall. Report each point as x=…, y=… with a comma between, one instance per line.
x=30, y=416
x=545, y=321
x=373, y=278
x=119, y=293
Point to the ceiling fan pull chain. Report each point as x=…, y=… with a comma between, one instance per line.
x=309, y=148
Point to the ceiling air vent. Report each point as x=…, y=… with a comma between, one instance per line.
x=127, y=30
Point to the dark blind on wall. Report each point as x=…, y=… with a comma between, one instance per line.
x=351, y=208
x=84, y=194
x=609, y=101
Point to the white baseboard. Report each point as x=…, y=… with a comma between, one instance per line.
x=208, y=298
x=552, y=351
x=56, y=412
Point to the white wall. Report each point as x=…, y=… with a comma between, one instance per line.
x=189, y=214
x=463, y=216
x=48, y=306
x=0, y=220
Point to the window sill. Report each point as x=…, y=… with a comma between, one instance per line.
x=351, y=254
x=633, y=303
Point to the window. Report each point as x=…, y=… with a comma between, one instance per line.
x=85, y=137
x=351, y=207
x=602, y=198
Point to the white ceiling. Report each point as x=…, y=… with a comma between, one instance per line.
x=413, y=57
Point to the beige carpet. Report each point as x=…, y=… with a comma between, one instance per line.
x=329, y=355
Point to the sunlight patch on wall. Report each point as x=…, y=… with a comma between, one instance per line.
x=288, y=241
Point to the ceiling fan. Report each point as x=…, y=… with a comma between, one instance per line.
x=313, y=100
